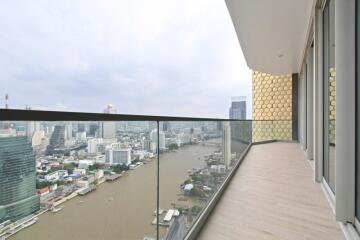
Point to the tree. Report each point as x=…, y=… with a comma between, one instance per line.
x=197, y=178
x=173, y=146
x=42, y=184
x=69, y=167
x=95, y=166
x=197, y=192
x=187, y=181
x=119, y=168
x=195, y=210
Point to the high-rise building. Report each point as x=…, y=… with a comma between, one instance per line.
x=81, y=127
x=226, y=144
x=31, y=127
x=166, y=127
x=147, y=145
x=57, y=139
x=17, y=179
x=107, y=129
x=93, y=129
x=68, y=130
x=110, y=109
x=238, y=108
x=153, y=139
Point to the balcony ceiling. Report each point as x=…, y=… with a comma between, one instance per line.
x=272, y=33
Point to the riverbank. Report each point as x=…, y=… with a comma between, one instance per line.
x=122, y=209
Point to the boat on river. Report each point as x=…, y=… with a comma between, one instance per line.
x=55, y=210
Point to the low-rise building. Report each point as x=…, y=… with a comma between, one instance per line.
x=115, y=156
x=84, y=164
x=79, y=171
x=43, y=191
x=218, y=169
x=82, y=183
x=99, y=174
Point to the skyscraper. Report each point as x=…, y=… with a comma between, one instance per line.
x=108, y=129
x=18, y=179
x=31, y=127
x=68, y=130
x=238, y=108
x=153, y=139
x=226, y=144
x=166, y=126
x=57, y=139
x=93, y=129
x=81, y=127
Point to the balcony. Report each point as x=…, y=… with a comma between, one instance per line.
x=168, y=178
x=273, y=196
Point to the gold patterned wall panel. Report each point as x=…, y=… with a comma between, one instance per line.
x=272, y=100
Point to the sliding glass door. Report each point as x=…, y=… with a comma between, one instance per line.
x=329, y=92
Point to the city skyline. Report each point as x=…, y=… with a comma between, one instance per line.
x=144, y=60
x=66, y=160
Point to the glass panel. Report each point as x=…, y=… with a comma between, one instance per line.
x=329, y=93
x=195, y=159
x=95, y=180
x=306, y=106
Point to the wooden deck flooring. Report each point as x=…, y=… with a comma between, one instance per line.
x=273, y=196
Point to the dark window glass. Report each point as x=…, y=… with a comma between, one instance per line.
x=329, y=92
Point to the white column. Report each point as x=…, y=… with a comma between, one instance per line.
x=318, y=96
x=345, y=110
x=302, y=108
x=310, y=104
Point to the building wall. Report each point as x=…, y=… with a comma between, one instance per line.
x=17, y=179
x=272, y=102
x=107, y=130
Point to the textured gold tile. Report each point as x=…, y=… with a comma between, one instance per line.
x=272, y=100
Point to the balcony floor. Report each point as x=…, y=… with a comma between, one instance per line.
x=273, y=196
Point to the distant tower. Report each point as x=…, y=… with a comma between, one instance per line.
x=6, y=101
x=238, y=108
x=166, y=126
x=6, y=125
x=110, y=109
x=226, y=141
x=108, y=129
x=57, y=139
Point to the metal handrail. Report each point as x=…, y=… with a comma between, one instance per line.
x=39, y=115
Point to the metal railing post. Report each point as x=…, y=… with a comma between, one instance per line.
x=158, y=181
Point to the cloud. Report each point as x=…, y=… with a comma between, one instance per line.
x=160, y=57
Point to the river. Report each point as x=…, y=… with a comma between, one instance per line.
x=122, y=209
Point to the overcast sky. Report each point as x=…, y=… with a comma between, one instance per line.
x=158, y=57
